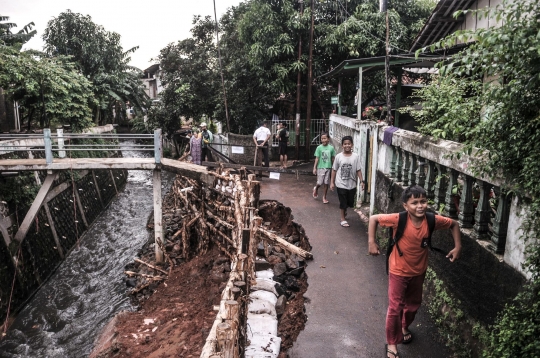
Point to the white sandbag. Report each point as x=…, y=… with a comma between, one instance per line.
x=268, y=273
x=265, y=284
x=263, y=346
x=259, y=324
x=259, y=306
x=264, y=295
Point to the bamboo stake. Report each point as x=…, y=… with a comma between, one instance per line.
x=285, y=244
x=151, y=266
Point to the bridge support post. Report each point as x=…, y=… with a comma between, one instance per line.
x=158, y=220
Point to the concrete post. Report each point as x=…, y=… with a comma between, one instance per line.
x=48, y=145
x=158, y=222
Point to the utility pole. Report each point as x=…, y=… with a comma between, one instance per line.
x=298, y=89
x=221, y=71
x=309, y=84
x=384, y=8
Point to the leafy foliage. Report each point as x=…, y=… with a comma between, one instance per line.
x=506, y=124
x=48, y=86
x=8, y=38
x=100, y=57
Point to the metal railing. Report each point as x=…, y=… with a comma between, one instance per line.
x=59, y=143
x=318, y=126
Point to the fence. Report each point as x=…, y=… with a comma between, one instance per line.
x=318, y=126
x=92, y=142
x=479, y=203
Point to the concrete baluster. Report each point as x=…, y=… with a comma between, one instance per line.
x=430, y=179
x=500, y=223
x=399, y=164
x=421, y=171
x=450, y=209
x=466, y=206
x=412, y=172
x=440, y=186
x=406, y=167
x=393, y=163
x=482, y=213
x=158, y=148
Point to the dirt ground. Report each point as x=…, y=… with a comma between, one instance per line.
x=176, y=315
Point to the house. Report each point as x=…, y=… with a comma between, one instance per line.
x=151, y=81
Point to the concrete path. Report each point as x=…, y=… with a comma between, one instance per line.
x=347, y=288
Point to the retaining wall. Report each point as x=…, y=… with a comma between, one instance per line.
x=68, y=210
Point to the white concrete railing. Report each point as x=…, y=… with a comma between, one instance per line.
x=416, y=159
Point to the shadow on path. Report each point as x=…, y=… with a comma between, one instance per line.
x=347, y=294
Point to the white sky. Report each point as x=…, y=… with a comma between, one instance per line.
x=150, y=24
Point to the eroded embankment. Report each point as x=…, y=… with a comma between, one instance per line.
x=177, y=306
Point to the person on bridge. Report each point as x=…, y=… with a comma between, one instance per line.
x=282, y=136
x=407, y=268
x=260, y=138
x=322, y=168
x=207, y=138
x=195, y=147
x=345, y=170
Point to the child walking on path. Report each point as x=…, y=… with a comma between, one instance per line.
x=408, y=262
x=345, y=170
x=324, y=158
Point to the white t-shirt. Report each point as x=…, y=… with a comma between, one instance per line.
x=261, y=133
x=346, y=168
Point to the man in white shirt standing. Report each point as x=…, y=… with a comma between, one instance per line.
x=260, y=138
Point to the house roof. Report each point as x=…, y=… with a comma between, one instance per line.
x=441, y=22
x=409, y=60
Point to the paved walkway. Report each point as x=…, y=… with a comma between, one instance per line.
x=347, y=288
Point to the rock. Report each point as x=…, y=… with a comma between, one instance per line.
x=261, y=265
x=280, y=305
x=291, y=264
x=260, y=249
x=281, y=256
x=277, y=249
x=220, y=260
x=280, y=269
x=131, y=282
x=292, y=284
x=297, y=271
x=279, y=289
x=176, y=248
x=218, y=277
x=273, y=259
x=227, y=267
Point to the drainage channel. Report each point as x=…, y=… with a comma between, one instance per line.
x=87, y=290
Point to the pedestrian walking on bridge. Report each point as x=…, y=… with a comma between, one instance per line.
x=260, y=138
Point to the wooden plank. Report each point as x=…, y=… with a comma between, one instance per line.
x=77, y=164
x=189, y=170
x=254, y=168
x=36, y=205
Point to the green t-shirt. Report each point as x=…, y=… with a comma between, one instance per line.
x=325, y=153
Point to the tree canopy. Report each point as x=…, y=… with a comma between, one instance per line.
x=99, y=56
x=259, y=48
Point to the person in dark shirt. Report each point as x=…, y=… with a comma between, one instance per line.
x=207, y=138
x=282, y=136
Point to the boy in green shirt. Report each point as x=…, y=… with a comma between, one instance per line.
x=324, y=158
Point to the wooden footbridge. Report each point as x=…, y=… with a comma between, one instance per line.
x=58, y=147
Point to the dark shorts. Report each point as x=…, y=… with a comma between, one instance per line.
x=346, y=197
x=282, y=148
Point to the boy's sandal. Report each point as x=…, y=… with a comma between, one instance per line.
x=407, y=337
x=344, y=223
x=315, y=195
x=325, y=201
x=388, y=351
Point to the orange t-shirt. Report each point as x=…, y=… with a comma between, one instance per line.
x=415, y=258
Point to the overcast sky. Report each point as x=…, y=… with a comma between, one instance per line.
x=150, y=24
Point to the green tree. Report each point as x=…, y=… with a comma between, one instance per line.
x=8, y=38
x=100, y=57
x=50, y=88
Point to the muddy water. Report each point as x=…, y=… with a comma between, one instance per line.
x=65, y=316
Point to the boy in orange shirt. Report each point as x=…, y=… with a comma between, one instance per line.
x=408, y=269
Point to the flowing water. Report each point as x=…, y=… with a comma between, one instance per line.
x=66, y=315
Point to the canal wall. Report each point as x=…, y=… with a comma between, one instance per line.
x=71, y=206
